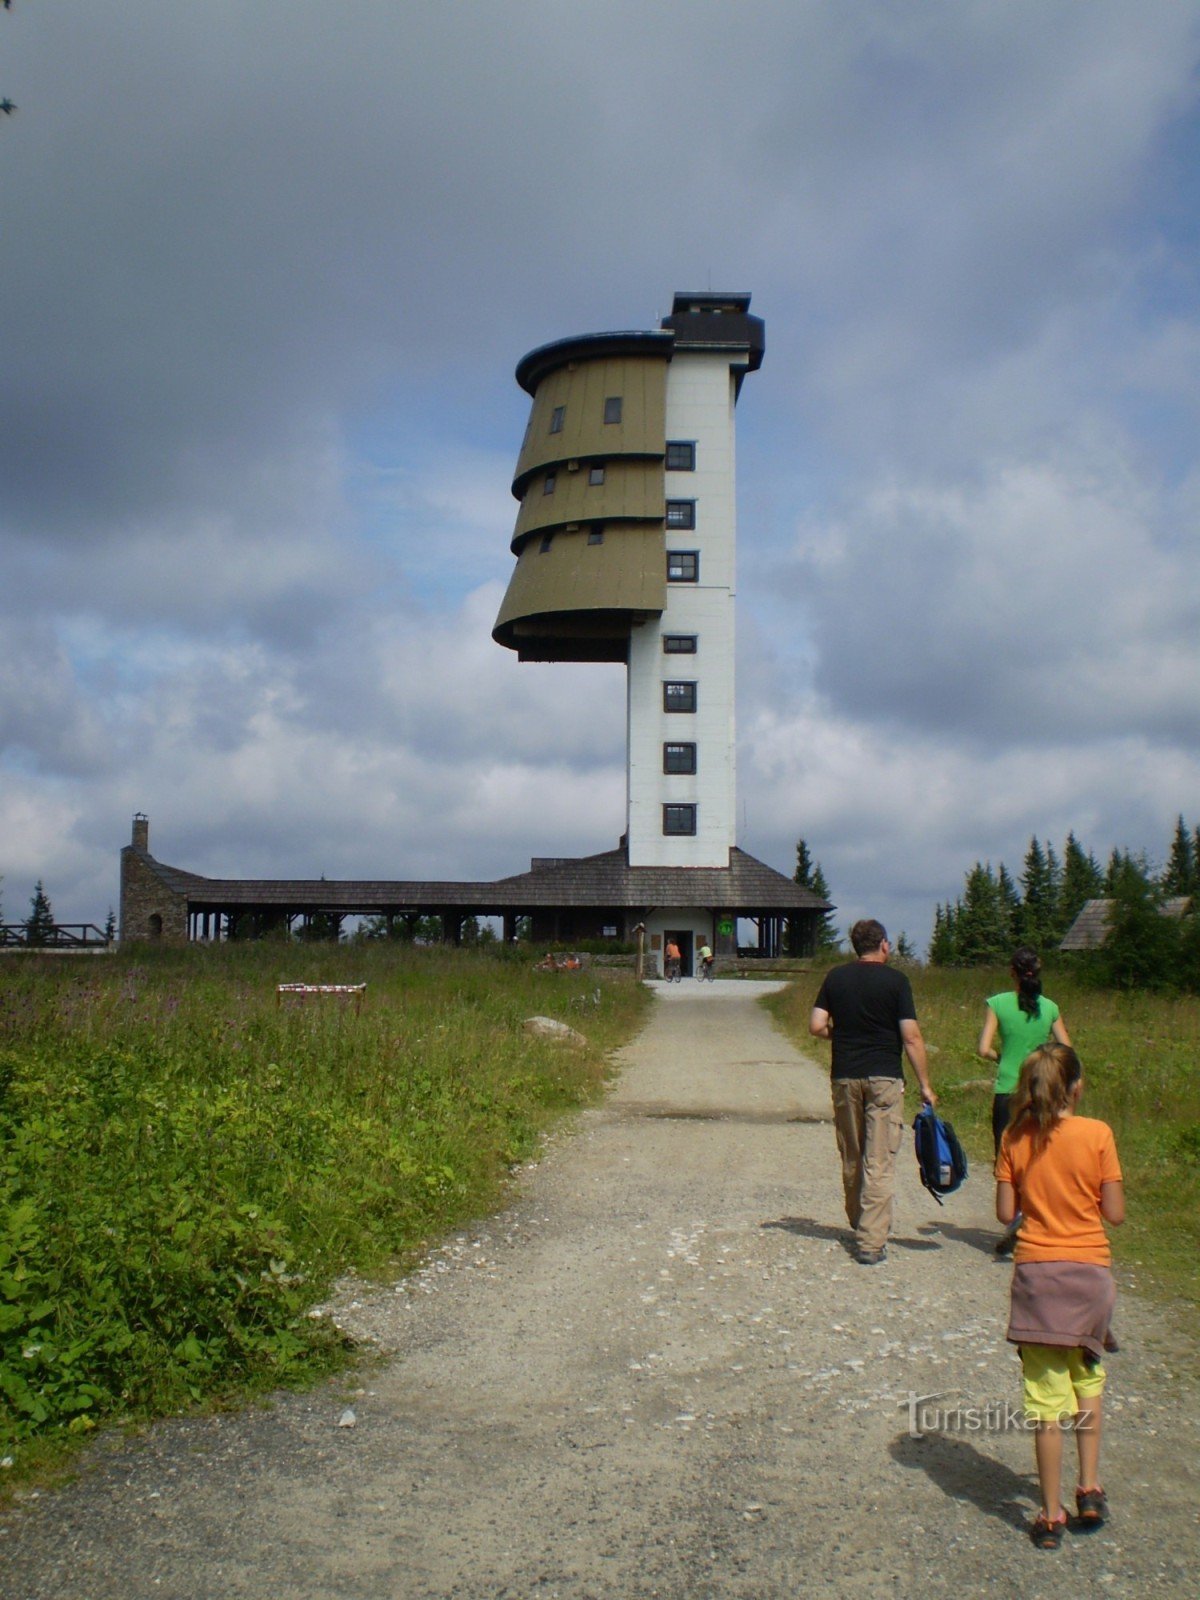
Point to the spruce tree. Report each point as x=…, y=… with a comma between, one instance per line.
x=827, y=935
x=1054, y=873
x=1039, y=893
x=1125, y=870
x=1082, y=880
x=824, y=935
x=943, y=949
x=1010, y=901
x=804, y=865
x=981, y=923
x=1180, y=874
x=39, y=924
x=1118, y=863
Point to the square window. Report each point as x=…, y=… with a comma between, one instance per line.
x=551, y=480
x=683, y=566
x=596, y=536
x=679, y=819
x=556, y=419
x=679, y=644
x=612, y=408
x=609, y=931
x=679, y=758
x=679, y=697
x=681, y=455
x=681, y=513
x=596, y=475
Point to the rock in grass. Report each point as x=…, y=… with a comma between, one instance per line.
x=548, y=1028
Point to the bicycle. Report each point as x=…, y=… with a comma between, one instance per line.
x=704, y=972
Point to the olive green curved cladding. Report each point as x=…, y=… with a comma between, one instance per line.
x=575, y=595
x=590, y=493
x=567, y=422
x=589, y=540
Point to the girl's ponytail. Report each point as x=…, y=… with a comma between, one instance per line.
x=1027, y=970
x=1043, y=1091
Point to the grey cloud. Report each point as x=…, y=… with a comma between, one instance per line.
x=266, y=273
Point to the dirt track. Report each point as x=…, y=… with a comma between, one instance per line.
x=658, y=1374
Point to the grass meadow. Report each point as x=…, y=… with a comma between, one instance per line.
x=1140, y=1054
x=185, y=1166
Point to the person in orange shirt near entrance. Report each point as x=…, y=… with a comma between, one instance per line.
x=1061, y=1171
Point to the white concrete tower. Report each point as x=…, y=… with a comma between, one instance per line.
x=626, y=547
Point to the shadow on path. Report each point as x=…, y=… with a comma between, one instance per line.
x=964, y=1473
x=982, y=1239
x=809, y=1228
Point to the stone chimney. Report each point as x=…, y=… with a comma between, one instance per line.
x=141, y=831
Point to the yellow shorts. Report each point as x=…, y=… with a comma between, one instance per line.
x=1054, y=1380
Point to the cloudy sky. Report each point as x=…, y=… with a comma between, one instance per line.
x=266, y=267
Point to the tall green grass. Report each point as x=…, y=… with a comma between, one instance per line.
x=185, y=1166
x=1141, y=1061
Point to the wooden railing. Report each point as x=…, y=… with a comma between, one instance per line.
x=61, y=936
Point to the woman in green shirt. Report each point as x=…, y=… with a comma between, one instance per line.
x=1018, y=1022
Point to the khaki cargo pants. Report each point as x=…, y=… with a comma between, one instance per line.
x=868, y=1118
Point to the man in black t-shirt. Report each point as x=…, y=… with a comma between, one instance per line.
x=867, y=1010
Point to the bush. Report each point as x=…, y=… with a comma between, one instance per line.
x=1144, y=949
x=184, y=1168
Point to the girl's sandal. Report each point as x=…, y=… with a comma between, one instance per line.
x=1047, y=1535
x=1091, y=1507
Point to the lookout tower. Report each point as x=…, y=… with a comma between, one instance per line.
x=625, y=547
x=625, y=543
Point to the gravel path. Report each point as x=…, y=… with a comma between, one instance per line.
x=658, y=1374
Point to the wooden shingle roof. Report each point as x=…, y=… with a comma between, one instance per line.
x=1090, y=928
x=606, y=880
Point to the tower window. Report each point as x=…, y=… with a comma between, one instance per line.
x=679, y=819
x=547, y=541
x=681, y=455
x=679, y=696
x=683, y=566
x=612, y=408
x=596, y=536
x=596, y=475
x=681, y=513
x=551, y=480
x=679, y=644
x=556, y=419
x=679, y=758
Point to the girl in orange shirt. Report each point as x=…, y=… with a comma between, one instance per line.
x=1060, y=1170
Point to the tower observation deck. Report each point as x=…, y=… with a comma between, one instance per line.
x=625, y=542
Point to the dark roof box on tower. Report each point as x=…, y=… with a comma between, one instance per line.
x=719, y=320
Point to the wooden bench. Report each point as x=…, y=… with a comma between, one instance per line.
x=303, y=991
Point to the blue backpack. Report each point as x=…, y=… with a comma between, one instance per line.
x=940, y=1158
